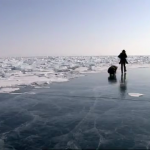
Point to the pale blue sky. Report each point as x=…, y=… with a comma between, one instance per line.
x=74, y=27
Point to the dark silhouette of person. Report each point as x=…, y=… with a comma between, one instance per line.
x=123, y=61
x=112, y=74
x=112, y=70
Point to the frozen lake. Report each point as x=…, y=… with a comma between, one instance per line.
x=90, y=112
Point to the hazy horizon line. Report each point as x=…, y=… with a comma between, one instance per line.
x=64, y=56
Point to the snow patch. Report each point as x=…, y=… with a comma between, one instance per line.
x=135, y=94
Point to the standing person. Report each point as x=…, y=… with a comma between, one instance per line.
x=123, y=60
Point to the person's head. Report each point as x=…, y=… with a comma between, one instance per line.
x=123, y=51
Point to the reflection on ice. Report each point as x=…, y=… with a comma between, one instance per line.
x=123, y=84
x=112, y=79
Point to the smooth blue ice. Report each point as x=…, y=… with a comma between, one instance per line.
x=90, y=112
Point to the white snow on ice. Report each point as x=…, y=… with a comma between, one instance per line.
x=8, y=90
x=135, y=94
x=39, y=71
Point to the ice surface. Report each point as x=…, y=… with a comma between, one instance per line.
x=39, y=71
x=31, y=93
x=87, y=113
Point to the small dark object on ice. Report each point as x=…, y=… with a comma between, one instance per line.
x=112, y=70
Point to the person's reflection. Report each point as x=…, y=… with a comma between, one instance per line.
x=123, y=84
x=112, y=79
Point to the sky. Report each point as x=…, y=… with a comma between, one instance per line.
x=74, y=27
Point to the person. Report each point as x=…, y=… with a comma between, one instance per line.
x=123, y=61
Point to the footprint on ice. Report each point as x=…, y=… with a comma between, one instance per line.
x=135, y=94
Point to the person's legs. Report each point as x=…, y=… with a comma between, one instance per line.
x=124, y=67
